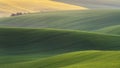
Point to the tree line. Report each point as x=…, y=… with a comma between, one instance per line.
x=17, y=14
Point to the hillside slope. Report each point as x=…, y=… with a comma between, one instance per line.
x=90, y=20
x=84, y=59
x=111, y=30
x=55, y=48
x=28, y=41
x=94, y=4
x=12, y=6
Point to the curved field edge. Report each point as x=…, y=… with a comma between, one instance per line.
x=29, y=6
x=110, y=30
x=84, y=59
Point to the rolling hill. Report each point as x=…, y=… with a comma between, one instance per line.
x=111, y=30
x=55, y=48
x=28, y=6
x=89, y=20
x=60, y=34
x=94, y=4
x=60, y=39
x=84, y=59
x=47, y=40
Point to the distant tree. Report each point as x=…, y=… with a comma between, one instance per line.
x=17, y=14
x=13, y=14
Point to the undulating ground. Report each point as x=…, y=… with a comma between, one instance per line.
x=88, y=20
x=55, y=48
x=60, y=39
x=51, y=40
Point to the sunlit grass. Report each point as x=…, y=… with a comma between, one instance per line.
x=11, y=6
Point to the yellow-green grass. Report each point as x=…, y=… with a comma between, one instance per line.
x=79, y=59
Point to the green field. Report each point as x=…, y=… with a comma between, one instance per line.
x=77, y=20
x=84, y=59
x=49, y=48
x=111, y=30
x=61, y=39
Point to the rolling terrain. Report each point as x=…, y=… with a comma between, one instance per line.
x=111, y=30
x=73, y=38
x=84, y=59
x=94, y=4
x=47, y=40
x=56, y=48
x=89, y=20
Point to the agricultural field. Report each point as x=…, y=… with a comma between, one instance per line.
x=29, y=6
x=67, y=35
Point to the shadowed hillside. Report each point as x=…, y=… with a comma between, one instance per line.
x=50, y=48
x=49, y=40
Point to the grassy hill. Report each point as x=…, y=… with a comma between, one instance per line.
x=55, y=48
x=84, y=59
x=50, y=40
x=56, y=40
x=12, y=6
x=94, y=4
x=89, y=20
x=111, y=30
